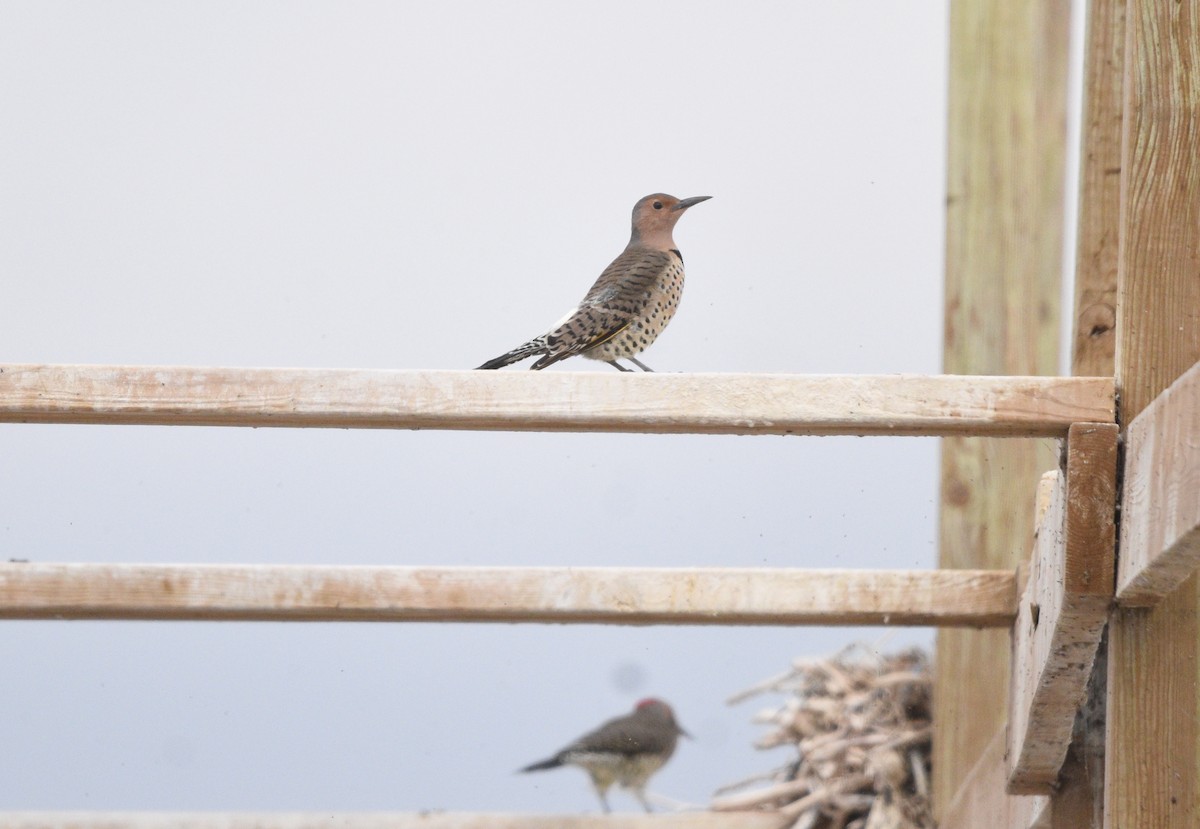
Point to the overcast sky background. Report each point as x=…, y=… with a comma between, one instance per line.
x=388, y=185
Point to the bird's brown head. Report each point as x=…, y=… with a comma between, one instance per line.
x=660, y=712
x=654, y=218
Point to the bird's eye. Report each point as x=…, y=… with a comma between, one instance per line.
x=658, y=205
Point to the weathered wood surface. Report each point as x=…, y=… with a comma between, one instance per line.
x=612, y=595
x=1152, y=751
x=746, y=404
x=382, y=820
x=981, y=802
x=1095, y=330
x=1079, y=801
x=1004, y=218
x=1038, y=610
x=1063, y=609
x=1160, y=513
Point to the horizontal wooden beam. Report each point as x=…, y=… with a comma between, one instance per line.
x=981, y=801
x=614, y=595
x=741, y=404
x=383, y=820
x=1160, y=513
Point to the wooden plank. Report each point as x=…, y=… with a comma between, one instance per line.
x=1158, y=287
x=611, y=595
x=1079, y=801
x=1038, y=614
x=1063, y=610
x=1160, y=511
x=740, y=404
x=1152, y=742
x=981, y=801
x=382, y=820
x=1004, y=215
x=1094, y=341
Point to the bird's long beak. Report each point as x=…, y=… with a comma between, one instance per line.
x=678, y=727
x=684, y=204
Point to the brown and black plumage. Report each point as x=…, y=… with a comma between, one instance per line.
x=625, y=750
x=630, y=304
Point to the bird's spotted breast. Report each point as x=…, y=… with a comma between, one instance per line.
x=661, y=301
x=629, y=304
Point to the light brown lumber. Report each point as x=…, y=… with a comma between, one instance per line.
x=1160, y=512
x=981, y=801
x=741, y=404
x=1063, y=610
x=1079, y=801
x=1004, y=217
x=612, y=595
x=1152, y=771
x=382, y=820
x=1095, y=329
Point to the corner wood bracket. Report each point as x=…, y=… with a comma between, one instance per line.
x=1063, y=607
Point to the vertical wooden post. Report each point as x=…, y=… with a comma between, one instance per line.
x=1004, y=214
x=1095, y=337
x=1080, y=799
x=1154, y=654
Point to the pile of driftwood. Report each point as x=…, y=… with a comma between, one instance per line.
x=860, y=725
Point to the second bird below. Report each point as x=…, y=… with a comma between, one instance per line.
x=625, y=750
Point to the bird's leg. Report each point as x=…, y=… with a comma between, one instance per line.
x=618, y=366
x=600, y=793
x=640, y=364
x=641, y=796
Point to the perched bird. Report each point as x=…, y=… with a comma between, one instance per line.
x=630, y=304
x=625, y=750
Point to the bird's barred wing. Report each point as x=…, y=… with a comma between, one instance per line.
x=584, y=329
x=627, y=284
x=617, y=298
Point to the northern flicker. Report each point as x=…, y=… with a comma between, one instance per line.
x=630, y=304
x=625, y=750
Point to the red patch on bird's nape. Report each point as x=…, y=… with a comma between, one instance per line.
x=650, y=702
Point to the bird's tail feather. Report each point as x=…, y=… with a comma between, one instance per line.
x=534, y=346
x=552, y=763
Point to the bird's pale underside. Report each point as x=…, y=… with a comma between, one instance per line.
x=629, y=305
x=626, y=750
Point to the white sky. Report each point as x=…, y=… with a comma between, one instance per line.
x=394, y=185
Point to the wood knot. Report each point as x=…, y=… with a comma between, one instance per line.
x=1097, y=319
x=957, y=494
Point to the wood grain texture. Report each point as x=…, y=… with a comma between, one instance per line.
x=612, y=595
x=1039, y=612
x=1063, y=610
x=1160, y=513
x=981, y=801
x=1004, y=219
x=1095, y=335
x=1079, y=801
x=553, y=401
x=382, y=820
x=1154, y=655
x=1159, y=259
